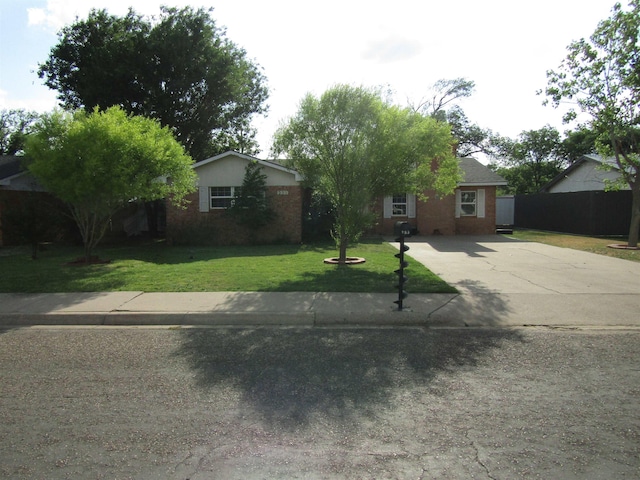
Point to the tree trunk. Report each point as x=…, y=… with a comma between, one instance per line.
x=342, y=248
x=151, y=209
x=634, y=228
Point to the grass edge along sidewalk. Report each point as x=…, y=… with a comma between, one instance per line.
x=599, y=245
x=155, y=267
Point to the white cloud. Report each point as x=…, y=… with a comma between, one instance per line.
x=56, y=14
x=392, y=49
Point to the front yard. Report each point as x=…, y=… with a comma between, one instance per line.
x=156, y=267
x=599, y=245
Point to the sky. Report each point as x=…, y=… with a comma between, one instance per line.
x=504, y=46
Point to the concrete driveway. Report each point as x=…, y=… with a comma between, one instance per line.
x=504, y=281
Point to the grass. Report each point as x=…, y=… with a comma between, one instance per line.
x=597, y=245
x=159, y=268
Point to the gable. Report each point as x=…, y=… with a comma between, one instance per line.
x=228, y=169
x=585, y=174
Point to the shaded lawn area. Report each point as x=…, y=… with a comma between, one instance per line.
x=599, y=245
x=270, y=268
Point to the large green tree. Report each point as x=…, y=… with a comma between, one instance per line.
x=601, y=77
x=15, y=125
x=179, y=68
x=530, y=161
x=98, y=162
x=352, y=147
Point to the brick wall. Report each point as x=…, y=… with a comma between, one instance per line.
x=190, y=226
x=437, y=216
x=480, y=226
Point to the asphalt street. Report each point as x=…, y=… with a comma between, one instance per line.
x=319, y=403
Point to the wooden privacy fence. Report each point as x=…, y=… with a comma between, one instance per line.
x=584, y=213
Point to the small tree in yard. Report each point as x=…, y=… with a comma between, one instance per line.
x=96, y=163
x=602, y=75
x=352, y=147
x=250, y=207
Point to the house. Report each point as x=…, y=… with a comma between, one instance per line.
x=576, y=201
x=218, y=177
x=16, y=184
x=471, y=210
x=588, y=173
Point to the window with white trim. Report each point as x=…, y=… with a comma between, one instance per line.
x=399, y=205
x=222, y=197
x=468, y=203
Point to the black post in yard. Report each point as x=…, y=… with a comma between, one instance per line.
x=403, y=230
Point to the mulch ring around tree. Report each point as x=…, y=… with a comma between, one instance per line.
x=348, y=261
x=622, y=246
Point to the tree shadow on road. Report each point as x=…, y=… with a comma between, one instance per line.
x=290, y=376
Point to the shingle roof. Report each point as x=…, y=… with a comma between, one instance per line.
x=477, y=174
x=10, y=165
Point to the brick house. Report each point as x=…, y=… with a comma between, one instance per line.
x=471, y=210
x=204, y=219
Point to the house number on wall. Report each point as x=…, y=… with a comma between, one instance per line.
x=283, y=192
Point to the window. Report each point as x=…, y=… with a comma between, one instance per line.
x=468, y=203
x=399, y=205
x=222, y=197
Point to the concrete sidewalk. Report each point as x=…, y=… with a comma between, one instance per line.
x=221, y=308
x=316, y=309
x=502, y=282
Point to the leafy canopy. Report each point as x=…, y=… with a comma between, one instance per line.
x=179, y=68
x=600, y=76
x=98, y=162
x=15, y=125
x=351, y=147
x=250, y=207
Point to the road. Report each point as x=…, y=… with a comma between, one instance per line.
x=257, y=403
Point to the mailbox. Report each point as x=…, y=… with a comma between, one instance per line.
x=402, y=229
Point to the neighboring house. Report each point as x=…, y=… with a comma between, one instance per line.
x=588, y=173
x=204, y=218
x=471, y=210
x=576, y=201
x=15, y=184
x=13, y=176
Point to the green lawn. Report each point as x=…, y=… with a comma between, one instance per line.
x=599, y=245
x=159, y=268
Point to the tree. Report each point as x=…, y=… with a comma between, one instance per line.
x=250, y=207
x=352, y=147
x=601, y=75
x=532, y=160
x=98, y=162
x=444, y=92
x=441, y=105
x=578, y=142
x=14, y=127
x=179, y=69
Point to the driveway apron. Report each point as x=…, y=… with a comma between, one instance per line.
x=503, y=281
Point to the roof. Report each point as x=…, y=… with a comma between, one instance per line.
x=592, y=157
x=266, y=163
x=475, y=174
x=10, y=167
